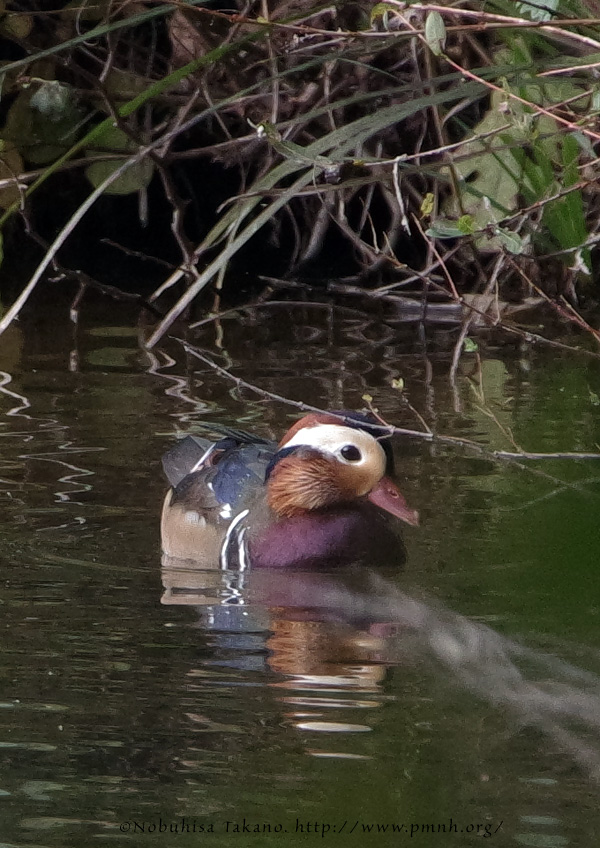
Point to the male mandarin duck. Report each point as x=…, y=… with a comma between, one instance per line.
x=317, y=498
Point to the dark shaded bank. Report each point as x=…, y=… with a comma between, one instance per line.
x=178, y=151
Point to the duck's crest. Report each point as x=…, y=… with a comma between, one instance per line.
x=313, y=419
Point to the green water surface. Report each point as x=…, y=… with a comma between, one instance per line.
x=127, y=721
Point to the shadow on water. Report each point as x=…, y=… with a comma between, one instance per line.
x=342, y=630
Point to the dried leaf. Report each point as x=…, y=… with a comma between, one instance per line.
x=16, y=25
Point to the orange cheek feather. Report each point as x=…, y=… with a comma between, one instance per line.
x=302, y=484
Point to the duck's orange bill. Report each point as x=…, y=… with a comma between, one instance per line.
x=386, y=496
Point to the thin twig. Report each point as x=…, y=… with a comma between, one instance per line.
x=388, y=430
x=435, y=251
x=564, y=309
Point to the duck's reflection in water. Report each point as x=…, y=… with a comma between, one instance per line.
x=332, y=636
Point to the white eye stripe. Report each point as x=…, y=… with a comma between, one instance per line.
x=333, y=438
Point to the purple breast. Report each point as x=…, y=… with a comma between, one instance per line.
x=343, y=536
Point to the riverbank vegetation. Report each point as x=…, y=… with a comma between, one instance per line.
x=441, y=152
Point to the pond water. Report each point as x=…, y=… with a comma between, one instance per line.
x=454, y=700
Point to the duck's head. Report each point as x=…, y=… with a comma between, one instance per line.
x=322, y=463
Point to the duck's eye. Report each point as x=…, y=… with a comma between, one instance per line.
x=351, y=453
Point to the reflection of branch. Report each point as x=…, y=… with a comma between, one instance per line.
x=78, y=486
x=422, y=309
x=22, y=401
x=389, y=430
x=485, y=408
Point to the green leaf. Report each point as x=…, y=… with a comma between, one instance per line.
x=466, y=224
x=565, y=217
x=428, y=205
x=134, y=179
x=585, y=144
x=435, y=33
x=114, y=139
x=444, y=229
x=381, y=10
x=538, y=10
x=513, y=159
x=398, y=384
x=52, y=99
x=511, y=241
x=41, y=137
x=469, y=346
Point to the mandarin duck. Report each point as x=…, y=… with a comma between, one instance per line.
x=317, y=498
